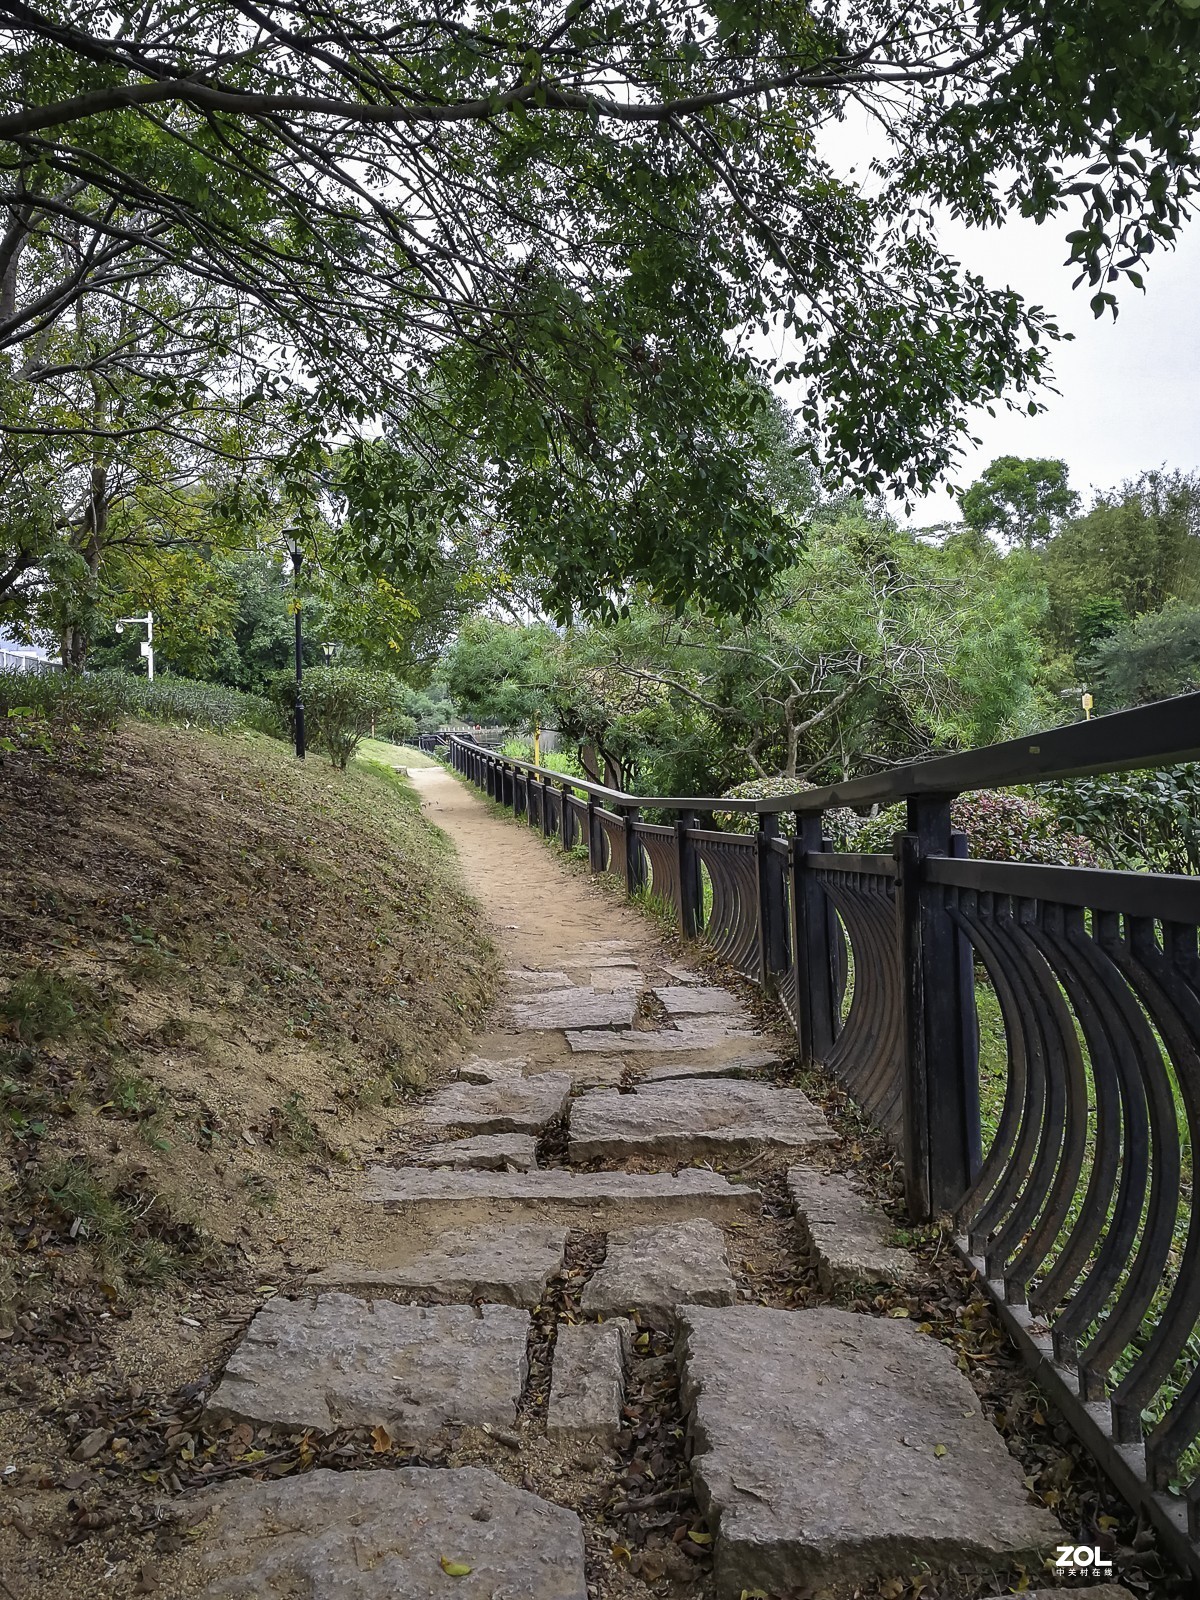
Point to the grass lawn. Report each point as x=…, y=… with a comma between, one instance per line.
x=393, y=755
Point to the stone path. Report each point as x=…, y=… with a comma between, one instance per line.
x=579, y=1218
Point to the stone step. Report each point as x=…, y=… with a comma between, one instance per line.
x=848, y=1235
x=587, y=1388
x=486, y=1152
x=654, y=1269
x=683, y=1120
x=390, y=1536
x=508, y=1266
x=510, y=1103
x=833, y=1447
x=576, y=1008
x=337, y=1361
x=742, y=1064
x=536, y=980
x=695, y=1034
x=699, y=1000
x=621, y=1197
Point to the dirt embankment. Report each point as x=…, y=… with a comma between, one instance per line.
x=223, y=974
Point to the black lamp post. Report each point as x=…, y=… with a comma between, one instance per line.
x=291, y=541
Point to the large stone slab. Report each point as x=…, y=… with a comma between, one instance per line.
x=685, y=1119
x=654, y=1269
x=632, y=1197
x=609, y=979
x=576, y=1008
x=487, y=1152
x=698, y=1000
x=335, y=1361
x=535, y=980
x=509, y=1266
x=587, y=1388
x=743, y=1064
x=1095, y=1591
x=390, y=1536
x=835, y=1447
x=848, y=1235
x=484, y=1069
x=701, y=1034
x=509, y=1104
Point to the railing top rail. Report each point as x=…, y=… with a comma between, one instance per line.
x=1148, y=736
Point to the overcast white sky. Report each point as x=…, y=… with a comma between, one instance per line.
x=1129, y=392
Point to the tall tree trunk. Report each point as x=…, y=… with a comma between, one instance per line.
x=90, y=540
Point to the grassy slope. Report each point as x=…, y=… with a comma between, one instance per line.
x=220, y=972
x=393, y=755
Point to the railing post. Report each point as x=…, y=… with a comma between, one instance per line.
x=543, y=791
x=635, y=870
x=812, y=951
x=772, y=942
x=595, y=838
x=690, y=908
x=941, y=1078
x=566, y=829
x=520, y=786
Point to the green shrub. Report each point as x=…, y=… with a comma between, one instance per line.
x=1140, y=821
x=342, y=705
x=1000, y=825
x=94, y=701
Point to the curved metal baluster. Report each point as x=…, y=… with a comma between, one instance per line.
x=1128, y=1057
x=968, y=910
x=1045, y=934
x=1176, y=1012
x=1054, y=1037
x=1026, y=1053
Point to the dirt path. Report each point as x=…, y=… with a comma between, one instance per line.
x=538, y=909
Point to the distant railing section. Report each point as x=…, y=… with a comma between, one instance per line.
x=1067, y=1167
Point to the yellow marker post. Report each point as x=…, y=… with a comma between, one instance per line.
x=537, y=745
x=1087, y=703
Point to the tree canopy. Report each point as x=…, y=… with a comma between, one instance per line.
x=577, y=200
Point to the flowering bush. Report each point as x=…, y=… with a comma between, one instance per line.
x=1000, y=825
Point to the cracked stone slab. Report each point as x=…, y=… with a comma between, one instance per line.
x=508, y=1104
x=683, y=1119
x=337, y=1361
x=746, y=1065
x=576, y=1008
x=508, y=1266
x=537, y=979
x=489, y=1152
x=679, y=974
x=848, y=1235
x=698, y=1000
x=596, y=1072
x=829, y=1446
x=632, y=1197
x=613, y=979
x=654, y=1269
x=384, y=1536
x=587, y=1388
x=702, y=1037
x=480, y=1069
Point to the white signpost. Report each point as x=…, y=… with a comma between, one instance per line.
x=147, y=646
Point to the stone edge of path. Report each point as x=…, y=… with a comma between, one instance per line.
x=847, y=1234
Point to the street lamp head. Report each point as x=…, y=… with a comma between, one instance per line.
x=329, y=650
x=291, y=543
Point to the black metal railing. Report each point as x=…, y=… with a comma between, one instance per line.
x=1069, y=1174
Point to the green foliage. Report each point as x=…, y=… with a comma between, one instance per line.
x=97, y=700
x=1137, y=549
x=1000, y=825
x=1153, y=656
x=499, y=674
x=342, y=705
x=1020, y=501
x=1139, y=821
